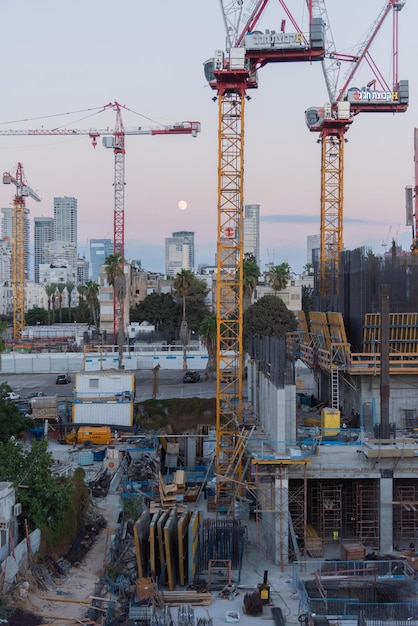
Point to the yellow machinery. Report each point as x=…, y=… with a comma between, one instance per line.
x=22, y=191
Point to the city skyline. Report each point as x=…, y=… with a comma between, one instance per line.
x=282, y=160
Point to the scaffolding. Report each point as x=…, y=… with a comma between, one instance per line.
x=405, y=519
x=367, y=512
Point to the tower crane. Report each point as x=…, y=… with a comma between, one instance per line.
x=230, y=74
x=22, y=191
x=334, y=119
x=116, y=141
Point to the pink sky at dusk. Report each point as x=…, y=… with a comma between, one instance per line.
x=149, y=56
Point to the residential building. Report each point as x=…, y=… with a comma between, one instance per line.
x=252, y=230
x=63, y=273
x=83, y=267
x=5, y=261
x=100, y=249
x=43, y=234
x=60, y=253
x=179, y=252
x=143, y=283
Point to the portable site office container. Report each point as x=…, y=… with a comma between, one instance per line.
x=95, y=385
x=104, y=398
x=116, y=414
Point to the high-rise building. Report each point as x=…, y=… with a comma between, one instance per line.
x=313, y=243
x=179, y=252
x=99, y=251
x=252, y=230
x=7, y=231
x=43, y=234
x=65, y=223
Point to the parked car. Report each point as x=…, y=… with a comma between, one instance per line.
x=228, y=375
x=191, y=376
x=11, y=395
x=63, y=379
x=35, y=394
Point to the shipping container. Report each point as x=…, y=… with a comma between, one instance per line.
x=116, y=414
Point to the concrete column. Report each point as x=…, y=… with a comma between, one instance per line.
x=386, y=515
x=281, y=491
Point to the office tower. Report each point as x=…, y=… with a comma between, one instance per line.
x=99, y=251
x=252, y=231
x=7, y=231
x=65, y=223
x=313, y=243
x=179, y=252
x=43, y=234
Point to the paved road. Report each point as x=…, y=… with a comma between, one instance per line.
x=170, y=385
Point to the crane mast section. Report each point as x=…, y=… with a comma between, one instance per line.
x=229, y=294
x=22, y=191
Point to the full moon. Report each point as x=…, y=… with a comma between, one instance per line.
x=182, y=205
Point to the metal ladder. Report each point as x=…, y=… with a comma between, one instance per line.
x=335, y=391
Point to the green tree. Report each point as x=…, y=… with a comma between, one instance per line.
x=279, y=276
x=116, y=279
x=268, y=317
x=70, y=288
x=208, y=332
x=44, y=497
x=60, y=289
x=91, y=294
x=250, y=275
x=50, y=291
x=12, y=422
x=182, y=284
x=161, y=310
x=36, y=316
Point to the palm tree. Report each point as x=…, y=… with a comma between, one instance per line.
x=50, y=290
x=208, y=332
x=60, y=288
x=279, y=276
x=91, y=292
x=116, y=279
x=70, y=288
x=250, y=274
x=182, y=283
x=81, y=292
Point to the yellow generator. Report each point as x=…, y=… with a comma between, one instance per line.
x=97, y=435
x=330, y=422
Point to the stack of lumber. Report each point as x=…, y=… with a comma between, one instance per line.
x=353, y=551
x=175, y=598
x=172, y=494
x=313, y=543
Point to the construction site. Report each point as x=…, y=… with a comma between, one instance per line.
x=327, y=492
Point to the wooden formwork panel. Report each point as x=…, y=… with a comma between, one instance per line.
x=154, y=561
x=160, y=532
x=141, y=535
x=171, y=549
x=194, y=546
x=182, y=527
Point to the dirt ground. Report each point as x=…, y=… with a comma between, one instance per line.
x=70, y=597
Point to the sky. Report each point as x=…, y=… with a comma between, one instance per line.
x=62, y=62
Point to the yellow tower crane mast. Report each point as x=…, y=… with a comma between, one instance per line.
x=22, y=191
x=231, y=73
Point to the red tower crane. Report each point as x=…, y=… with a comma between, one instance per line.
x=22, y=191
x=116, y=141
x=332, y=122
x=231, y=73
